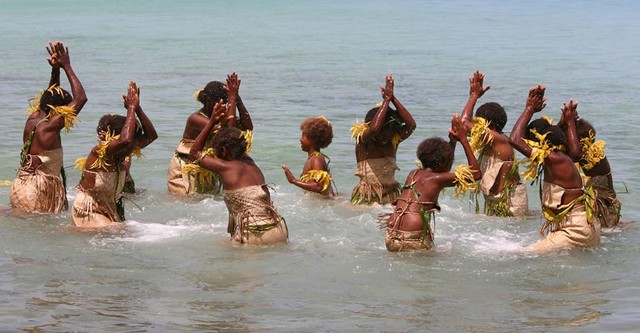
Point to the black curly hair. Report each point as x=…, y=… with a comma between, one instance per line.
x=212, y=93
x=494, y=113
x=436, y=154
x=583, y=128
x=115, y=123
x=555, y=137
x=54, y=97
x=230, y=138
x=392, y=118
x=318, y=129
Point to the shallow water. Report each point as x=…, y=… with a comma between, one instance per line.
x=173, y=269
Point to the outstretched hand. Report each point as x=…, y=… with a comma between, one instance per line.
x=132, y=98
x=536, y=100
x=569, y=112
x=387, y=90
x=288, y=174
x=475, y=84
x=457, y=130
x=233, y=84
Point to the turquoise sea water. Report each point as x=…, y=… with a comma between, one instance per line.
x=175, y=270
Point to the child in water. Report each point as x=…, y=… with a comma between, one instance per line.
x=317, y=133
x=252, y=217
x=408, y=227
x=377, y=140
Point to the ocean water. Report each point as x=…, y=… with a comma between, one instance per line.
x=174, y=268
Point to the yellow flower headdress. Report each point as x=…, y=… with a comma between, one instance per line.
x=248, y=137
x=464, y=180
x=592, y=151
x=548, y=119
x=197, y=93
x=66, y=112
x=480, y=134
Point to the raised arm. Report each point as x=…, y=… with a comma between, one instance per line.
x=55, y=65
x=244, y=118
x=149, y=133
x=476, y=90
x=127, y=134
x=219, y=112
x=535, y=103
x=232, y=86
x=410, y=123
x=376, y=124
x=569, y=115
x=459, y=132
x=61, y=57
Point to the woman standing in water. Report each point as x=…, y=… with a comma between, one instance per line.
x=98, y=201
x=566, y=207
x=40, y=185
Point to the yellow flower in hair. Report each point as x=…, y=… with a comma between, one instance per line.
x=248, y=137
x=379, y=104
x=317, y=176
x=464, y=180
x=395, y=140
x=548, y=119
x=358, y=130
x=480, y=134
x=592, y=152
x=197, y=93
x=34, y=103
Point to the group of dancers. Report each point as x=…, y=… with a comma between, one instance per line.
x=576, y=189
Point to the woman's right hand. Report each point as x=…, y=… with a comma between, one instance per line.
x=475, y=85
x=536, y=100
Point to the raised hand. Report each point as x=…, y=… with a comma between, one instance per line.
x=219, y=112
x=387, y=90
x=536, y=100
x=457, y=130
x=61, y=55
x=475, y=84
x=53, y=60
x=132, y=98
x=233, y=84
x=569, y=112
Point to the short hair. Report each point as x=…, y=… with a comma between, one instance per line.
x=583, y=128
x=392, y=118
x=212, y=93
x=555, y=137
x=318, y=129
x=436, y=154
x=115, y=123
x=494, y=113
x=232, y=139
x=54, y=96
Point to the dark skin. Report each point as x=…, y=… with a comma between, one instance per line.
x=569, y=116
x=312, y=163
x=376, y=140
x=118, y=149
x=47, y=132
x=235, y=173
x=429, y=183
x=196, y=121
x=500, y=147
x=558, y=166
